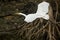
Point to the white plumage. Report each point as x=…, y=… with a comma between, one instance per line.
x=41, y=12
x=30, y=17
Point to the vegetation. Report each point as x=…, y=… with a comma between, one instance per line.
x=12, y=26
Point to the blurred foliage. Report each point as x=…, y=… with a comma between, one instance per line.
x=13, y=27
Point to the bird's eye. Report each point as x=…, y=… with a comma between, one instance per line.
x=46, y=13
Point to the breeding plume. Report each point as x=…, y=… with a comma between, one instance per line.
x=41, y=13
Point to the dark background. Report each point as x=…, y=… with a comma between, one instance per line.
x=13, y=26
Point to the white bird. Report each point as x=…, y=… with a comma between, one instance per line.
x=41, y=13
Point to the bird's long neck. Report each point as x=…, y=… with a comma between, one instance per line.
x=22, y=14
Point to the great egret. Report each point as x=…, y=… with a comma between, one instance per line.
x=41, y=13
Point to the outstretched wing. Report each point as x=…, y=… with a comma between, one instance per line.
x=43, y=7
x=43, y=10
